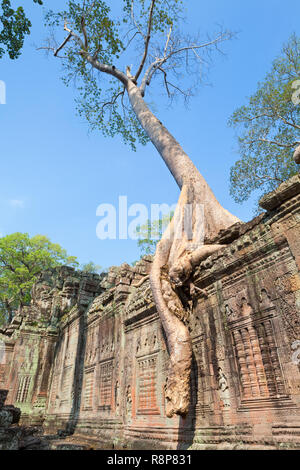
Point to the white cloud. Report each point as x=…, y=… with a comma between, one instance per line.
x=17, y=203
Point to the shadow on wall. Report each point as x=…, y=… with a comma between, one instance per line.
x=78, y=377
x=187, y=425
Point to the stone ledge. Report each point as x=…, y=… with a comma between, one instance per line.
x=285, y=191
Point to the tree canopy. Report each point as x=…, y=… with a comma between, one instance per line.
x=150, y=233
x=92, y=268
x=15, y=26
x=143, y=33
x=22, y=259
x=269, y=128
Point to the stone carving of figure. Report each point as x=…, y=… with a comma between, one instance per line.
x=229, y=312
x=246, y=308
x=128, y=401
x=223, y=388
x=265, y=300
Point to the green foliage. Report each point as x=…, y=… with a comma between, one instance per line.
x=151, y=232
x=165, y=14
x=15, y=26
x=102, y=100
x=91, y=268
x=22, y=259
x=268, y=129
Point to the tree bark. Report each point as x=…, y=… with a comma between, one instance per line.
x=180, y=165
x=178, y=252
x=297, y=155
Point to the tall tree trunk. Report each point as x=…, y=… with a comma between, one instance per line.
x=178, y=252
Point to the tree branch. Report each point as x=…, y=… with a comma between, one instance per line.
x=134, y=22
x=109, y=69
x=114, y=99
x=288, y=123
x=149, y=74
x=195, y=47
x=75, y=36
x=83, y=27
x=147, y=40
x=269, y=141
x=62, y=45
x=162, y=60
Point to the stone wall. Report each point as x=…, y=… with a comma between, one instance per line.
x=89, y=355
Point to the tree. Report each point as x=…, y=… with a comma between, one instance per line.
x=151, y=233
x=15, y=26
x=92, y=268
x=269, y=128
x=22, y=259
x=112, y=94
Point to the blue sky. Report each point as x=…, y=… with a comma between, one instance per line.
x=55, y=173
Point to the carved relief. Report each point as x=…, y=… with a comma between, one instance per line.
x=23, y=388
x=258, y=362
x=89, y=389
x=106, y=370
x=140, y=298
x=202, y=386
x=66, y=385
x=265, y=300
x=223, y=388
x=128, y=401
x=245, y=308
x=147, y=386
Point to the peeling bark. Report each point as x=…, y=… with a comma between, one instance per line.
x=179, y=252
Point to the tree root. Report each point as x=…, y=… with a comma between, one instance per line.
x=175, y=258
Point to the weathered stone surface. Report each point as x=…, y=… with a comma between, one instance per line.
x=13, y=436
x=284, y=192
x=88, y=359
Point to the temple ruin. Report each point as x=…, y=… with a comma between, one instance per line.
x=88, y=358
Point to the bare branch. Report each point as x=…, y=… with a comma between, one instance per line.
x=147, y=40
x=194, y=47
x=168, y=40
x=131, y=39
x=166, y=81
x=165, y=57
x=269, y=141
x=62, y=45
x=114, y=99
x=83, y=28
x=75, y=36
x=149, y=73
x=134, y=21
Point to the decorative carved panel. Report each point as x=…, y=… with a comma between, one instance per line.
x=106, y=372
x=66, y=385
x=88, y=389
x=147, y=384
x=23, y=388
x=257, y=360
